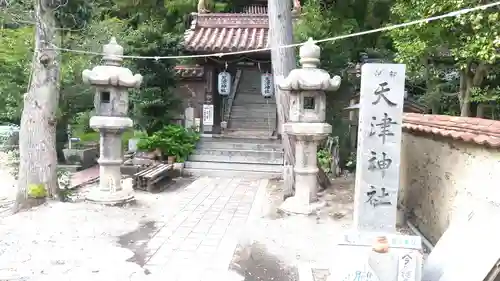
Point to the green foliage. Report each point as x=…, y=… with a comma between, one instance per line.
x=460, y=43
x=15, y=64
x=471, y=36
x=172, y=140
x=154, y=105
x=351, y=162
x=93, y=137
x=82, y=121
x=325, y=160
x=37, y=191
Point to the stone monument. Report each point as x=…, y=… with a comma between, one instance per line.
x=373, y=251
x=379, y=146
x=111, y=102
x=307, y=86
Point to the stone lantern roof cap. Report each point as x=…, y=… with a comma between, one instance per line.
x=309, y=77
x=111, y=73
x=113, y=52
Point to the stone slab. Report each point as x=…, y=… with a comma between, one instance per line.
x=379, y=146
x=361, y=263
x=366, y=239
x=200, y=238
x=355, y=259
x=468, y=249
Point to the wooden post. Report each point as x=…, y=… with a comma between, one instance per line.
x=283, y=61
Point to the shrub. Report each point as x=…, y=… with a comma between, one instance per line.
x=172, y=140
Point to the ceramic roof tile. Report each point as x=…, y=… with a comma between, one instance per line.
x=467, y=129
x=229, y=32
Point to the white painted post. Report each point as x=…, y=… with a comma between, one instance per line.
x=379, y=146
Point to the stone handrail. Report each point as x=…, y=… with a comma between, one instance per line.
x=232, y=94
x=468, y=129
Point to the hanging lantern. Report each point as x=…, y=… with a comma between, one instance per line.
x=267, y=87
x=224, y=83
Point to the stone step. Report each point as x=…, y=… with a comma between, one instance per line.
x=253, y=98
x=237, y=102
x=232, y=174
x=268, y=168
x=252, y=134
x=254, y=127
x=263, y=119
x=254, y=114
x=234, y=143
x=238, y=156
x=254, y=107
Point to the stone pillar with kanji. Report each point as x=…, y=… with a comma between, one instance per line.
x=111, y=82
x=307, y=86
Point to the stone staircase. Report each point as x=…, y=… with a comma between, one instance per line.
x=251, y=114
x=236, y=157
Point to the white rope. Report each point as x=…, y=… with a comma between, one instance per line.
x=386, y=28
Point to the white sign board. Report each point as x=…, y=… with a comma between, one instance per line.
x=379, y=146
x=208, y=114
x=224, y=83
x=266, y=84
x=406, y=266
x=355, y=259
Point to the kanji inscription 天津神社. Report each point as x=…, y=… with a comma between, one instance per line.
x=379, y=146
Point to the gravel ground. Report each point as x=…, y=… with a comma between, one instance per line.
x=8, y=186
x=332, y=218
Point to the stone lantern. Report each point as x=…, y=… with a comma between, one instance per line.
x=307, y=86
x=111, y=82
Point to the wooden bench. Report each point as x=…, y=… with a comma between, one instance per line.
x=147, y=179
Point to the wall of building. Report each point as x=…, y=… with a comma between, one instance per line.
x=447, y=163
x=192, y=93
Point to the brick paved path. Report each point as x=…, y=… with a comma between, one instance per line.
x=200, y=238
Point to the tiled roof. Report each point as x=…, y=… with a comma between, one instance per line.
x=473, y=130
x=221, y=32
x=189, y=71
x=229, y=32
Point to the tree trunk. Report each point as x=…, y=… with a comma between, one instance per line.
x=37, y=137
x=470, y=79
x=464, y=94
x=480, y=110
x=283, y=61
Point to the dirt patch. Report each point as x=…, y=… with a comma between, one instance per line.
x=255, y=263
x=338, y=200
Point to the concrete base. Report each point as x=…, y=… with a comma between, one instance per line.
x=293, y=205
x=116, y=198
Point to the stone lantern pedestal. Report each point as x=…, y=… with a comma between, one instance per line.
x=307, y=86
x=110, y=189
x=111, y=102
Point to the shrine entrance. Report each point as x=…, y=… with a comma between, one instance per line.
x=232, y=99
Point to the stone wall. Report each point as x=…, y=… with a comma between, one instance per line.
x=447, y=163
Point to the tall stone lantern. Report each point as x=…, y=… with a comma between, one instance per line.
x=111, y=82
x=307, y=86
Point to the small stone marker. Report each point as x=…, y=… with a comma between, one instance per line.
x=189, y=117
x=468, y=249
x=379, y=147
